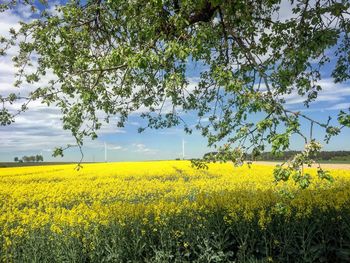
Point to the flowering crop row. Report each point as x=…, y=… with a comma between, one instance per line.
x=148, y=200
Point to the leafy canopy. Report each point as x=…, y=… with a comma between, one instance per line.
x=120, y=57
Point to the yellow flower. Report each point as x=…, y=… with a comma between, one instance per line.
x=56, y=229
x=62, y=199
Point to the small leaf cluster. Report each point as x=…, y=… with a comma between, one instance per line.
x=295, y=167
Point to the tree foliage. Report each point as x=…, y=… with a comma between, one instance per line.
x=121, y=57
x=31, y=158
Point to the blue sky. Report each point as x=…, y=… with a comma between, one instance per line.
x=39, y=130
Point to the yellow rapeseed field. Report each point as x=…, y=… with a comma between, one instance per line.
x=67, y=201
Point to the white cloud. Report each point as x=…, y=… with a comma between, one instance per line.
x=141, y=148
x=285, y=12
x=117, y=147
x=41, y=129
x=171, y=131
x=133, y=123
x=340, y=106
x=8, y=19
x=52, y=9
x=25, y=12
x=331, y=93
x=100, y=144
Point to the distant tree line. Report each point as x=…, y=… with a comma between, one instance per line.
x=30, y=159
x=268, y=156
